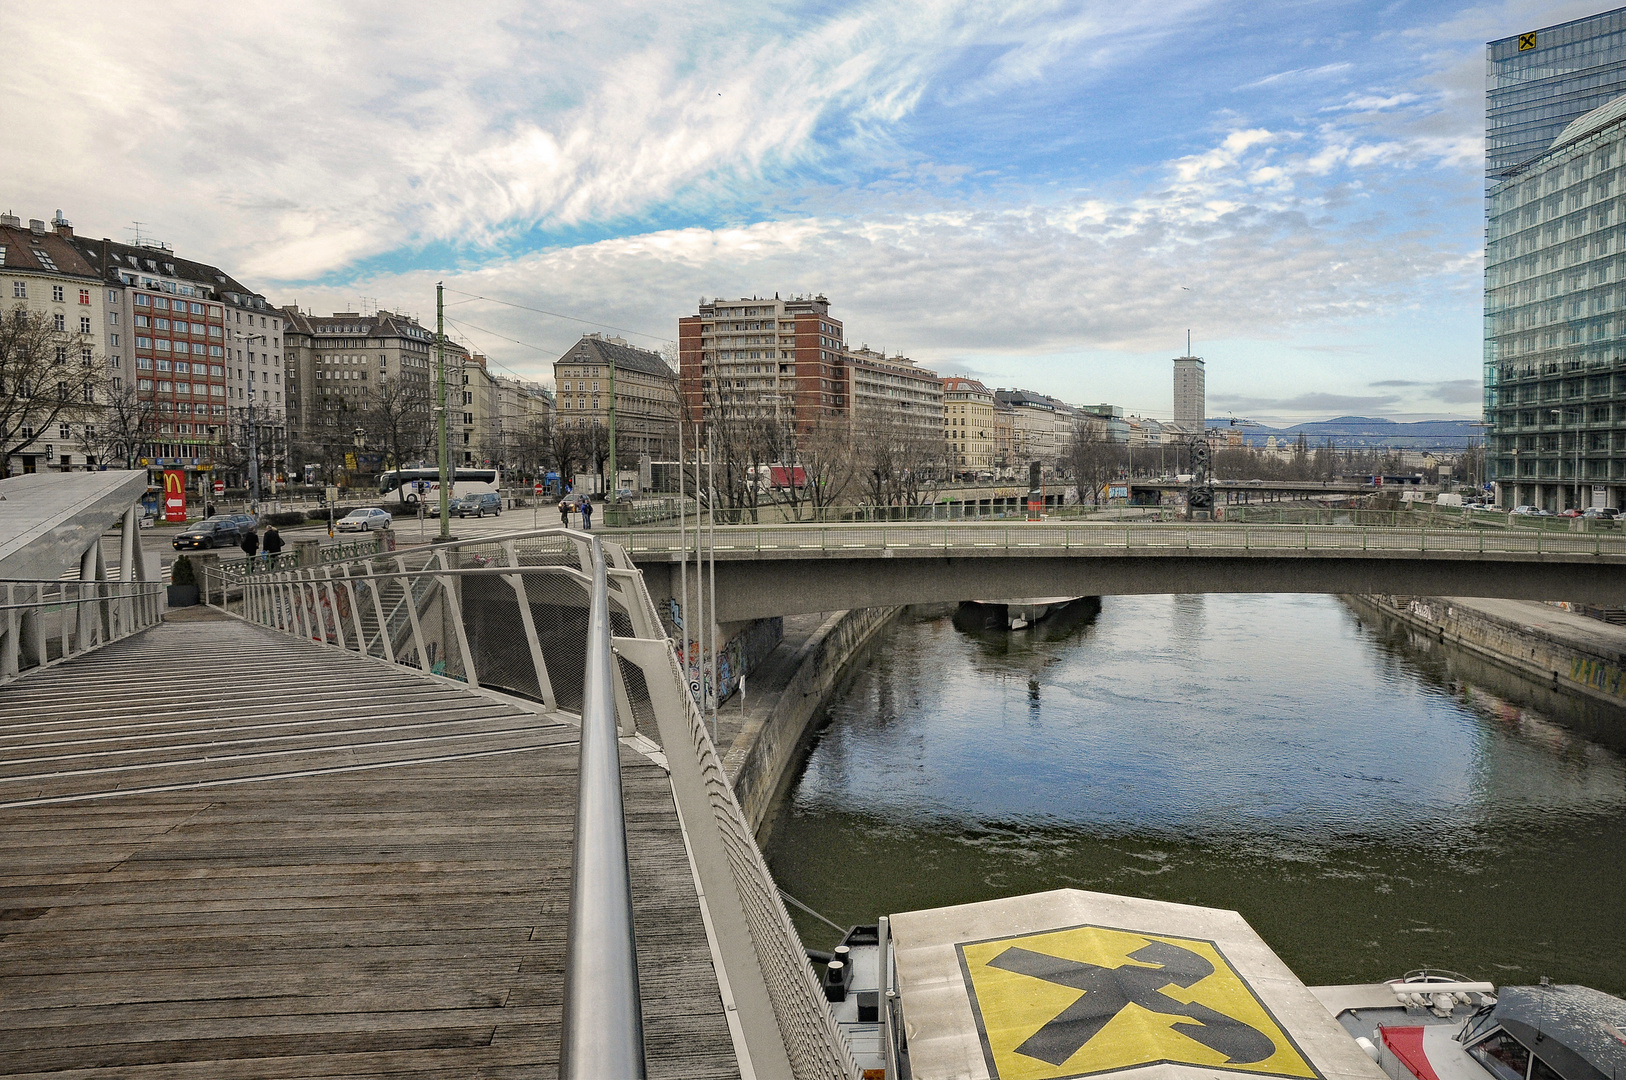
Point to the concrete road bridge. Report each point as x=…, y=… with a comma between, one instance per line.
x=765, y=571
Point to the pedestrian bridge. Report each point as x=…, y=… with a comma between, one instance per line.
x=764, y=571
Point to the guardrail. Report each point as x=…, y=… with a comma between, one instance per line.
x=46, y=622
x=1111, y=537
x=603, y=1026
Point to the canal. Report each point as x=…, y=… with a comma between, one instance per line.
x=1369, y=802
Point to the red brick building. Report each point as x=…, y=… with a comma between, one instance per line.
x=760, y=356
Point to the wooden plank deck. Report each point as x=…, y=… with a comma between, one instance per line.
x=227, y=852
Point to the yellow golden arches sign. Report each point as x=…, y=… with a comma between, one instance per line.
x=1094, y=999
x=1527, y=41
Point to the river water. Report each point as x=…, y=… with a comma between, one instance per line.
x=1369, y=802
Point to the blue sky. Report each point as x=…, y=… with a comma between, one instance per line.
x=1044, y=194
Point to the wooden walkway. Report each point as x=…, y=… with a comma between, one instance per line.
x=227, y=852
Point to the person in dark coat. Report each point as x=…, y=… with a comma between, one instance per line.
x=587, y=512
x=564, y=512
x=272, y=544
x=251, y=543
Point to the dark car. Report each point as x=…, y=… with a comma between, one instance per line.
x=478, y=505
x=209, y=533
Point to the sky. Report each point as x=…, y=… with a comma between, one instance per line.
x=1036, y=193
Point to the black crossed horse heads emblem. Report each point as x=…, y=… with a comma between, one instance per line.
x=1108, y=991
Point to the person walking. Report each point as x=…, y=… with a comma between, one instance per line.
x=271, y=545
x=587, y=512
x=250, y=544
x=564, y=512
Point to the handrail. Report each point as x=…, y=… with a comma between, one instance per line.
x=602, y=1028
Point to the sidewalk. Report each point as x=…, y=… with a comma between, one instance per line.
x=1580, y=632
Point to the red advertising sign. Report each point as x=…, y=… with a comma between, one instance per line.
x=174, y=495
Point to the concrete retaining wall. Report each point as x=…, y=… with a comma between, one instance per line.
x=761, y=760
x=1559, y=665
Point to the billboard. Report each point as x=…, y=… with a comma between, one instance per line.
x=174, y=495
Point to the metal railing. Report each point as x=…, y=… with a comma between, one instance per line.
x=46, y=622
x=1114, y=538
x=578, y=601
x=603, y=1027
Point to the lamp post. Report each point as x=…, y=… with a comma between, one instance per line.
x=253, y=436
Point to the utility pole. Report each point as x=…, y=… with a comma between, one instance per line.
x=440, y=409
x=615, y=466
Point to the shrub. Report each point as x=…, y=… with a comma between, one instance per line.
x=285, y=518
x=182, y=573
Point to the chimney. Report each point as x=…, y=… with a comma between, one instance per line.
x=10, y=220
x=36, y=226
x=63, y=227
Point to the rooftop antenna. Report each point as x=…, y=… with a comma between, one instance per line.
x=1188, y=341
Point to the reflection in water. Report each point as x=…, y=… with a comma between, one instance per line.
x=1370, y=806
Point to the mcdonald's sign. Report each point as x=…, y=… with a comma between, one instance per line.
x=174, y=495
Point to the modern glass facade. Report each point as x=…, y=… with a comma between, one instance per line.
x=1560, y=73
x=1555, y=325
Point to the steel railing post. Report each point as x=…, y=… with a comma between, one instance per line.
x=602, y=1028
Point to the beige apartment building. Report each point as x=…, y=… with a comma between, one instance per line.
x=893, y=389
x=646, y=396
x=42, y=271
x=524, y=410
x=968, y=423
x=346, y=369
x=1033, y=429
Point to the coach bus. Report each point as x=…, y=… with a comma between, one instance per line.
x=408, y=483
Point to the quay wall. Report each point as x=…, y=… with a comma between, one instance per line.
x=1558, y=664
x=762, y=759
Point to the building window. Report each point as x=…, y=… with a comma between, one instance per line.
x=113, y=340
x=56, y=293
x=84, y=296
x=59, y=321
x=84, y=324
x=19, y=290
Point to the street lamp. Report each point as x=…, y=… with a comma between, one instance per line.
x=253, y=435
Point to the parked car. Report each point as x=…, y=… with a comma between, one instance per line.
x=1571, y=512
x=364, y=520
x=1527, y=511
x=209, y=533
x=479, y=505
x=1607, y=513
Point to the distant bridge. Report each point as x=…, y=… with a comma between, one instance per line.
x=765, y=571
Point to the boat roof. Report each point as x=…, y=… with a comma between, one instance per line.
x=1579, y=1031
x=1071, y=983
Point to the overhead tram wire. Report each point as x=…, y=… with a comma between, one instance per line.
x=559, y=315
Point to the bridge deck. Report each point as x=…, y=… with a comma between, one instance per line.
x=228, y=852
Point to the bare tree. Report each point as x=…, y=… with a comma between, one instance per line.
x=397, y=421
x=125, y=424
x=47, y=376
x=1093, y=459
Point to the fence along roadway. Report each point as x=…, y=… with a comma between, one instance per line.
x=765, y=571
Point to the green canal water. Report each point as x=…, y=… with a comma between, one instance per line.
x=1370, y=802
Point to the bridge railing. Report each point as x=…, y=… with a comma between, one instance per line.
x=1149, y=537
x=520, y=613
x=48, y=621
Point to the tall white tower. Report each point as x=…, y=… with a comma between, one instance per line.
x=1190, y=400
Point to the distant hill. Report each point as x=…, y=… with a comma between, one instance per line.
x=1362, y=432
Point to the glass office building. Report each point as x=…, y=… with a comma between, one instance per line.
x=1555, y=319
x=1537, y=81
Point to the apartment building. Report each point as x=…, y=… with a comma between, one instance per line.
x=893, y=390
x=202, y=347
x=367, y=379
x=779, y=357
x=968, y=423
x=1033, y=428
x=1004, y=434
x=646, y=395
x=524, y=410
x=43, y=272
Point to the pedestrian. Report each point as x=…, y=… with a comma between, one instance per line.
x=564, y=512
x=250, y=544
x=272, y=544
x=587, y=512
x=209, y=510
